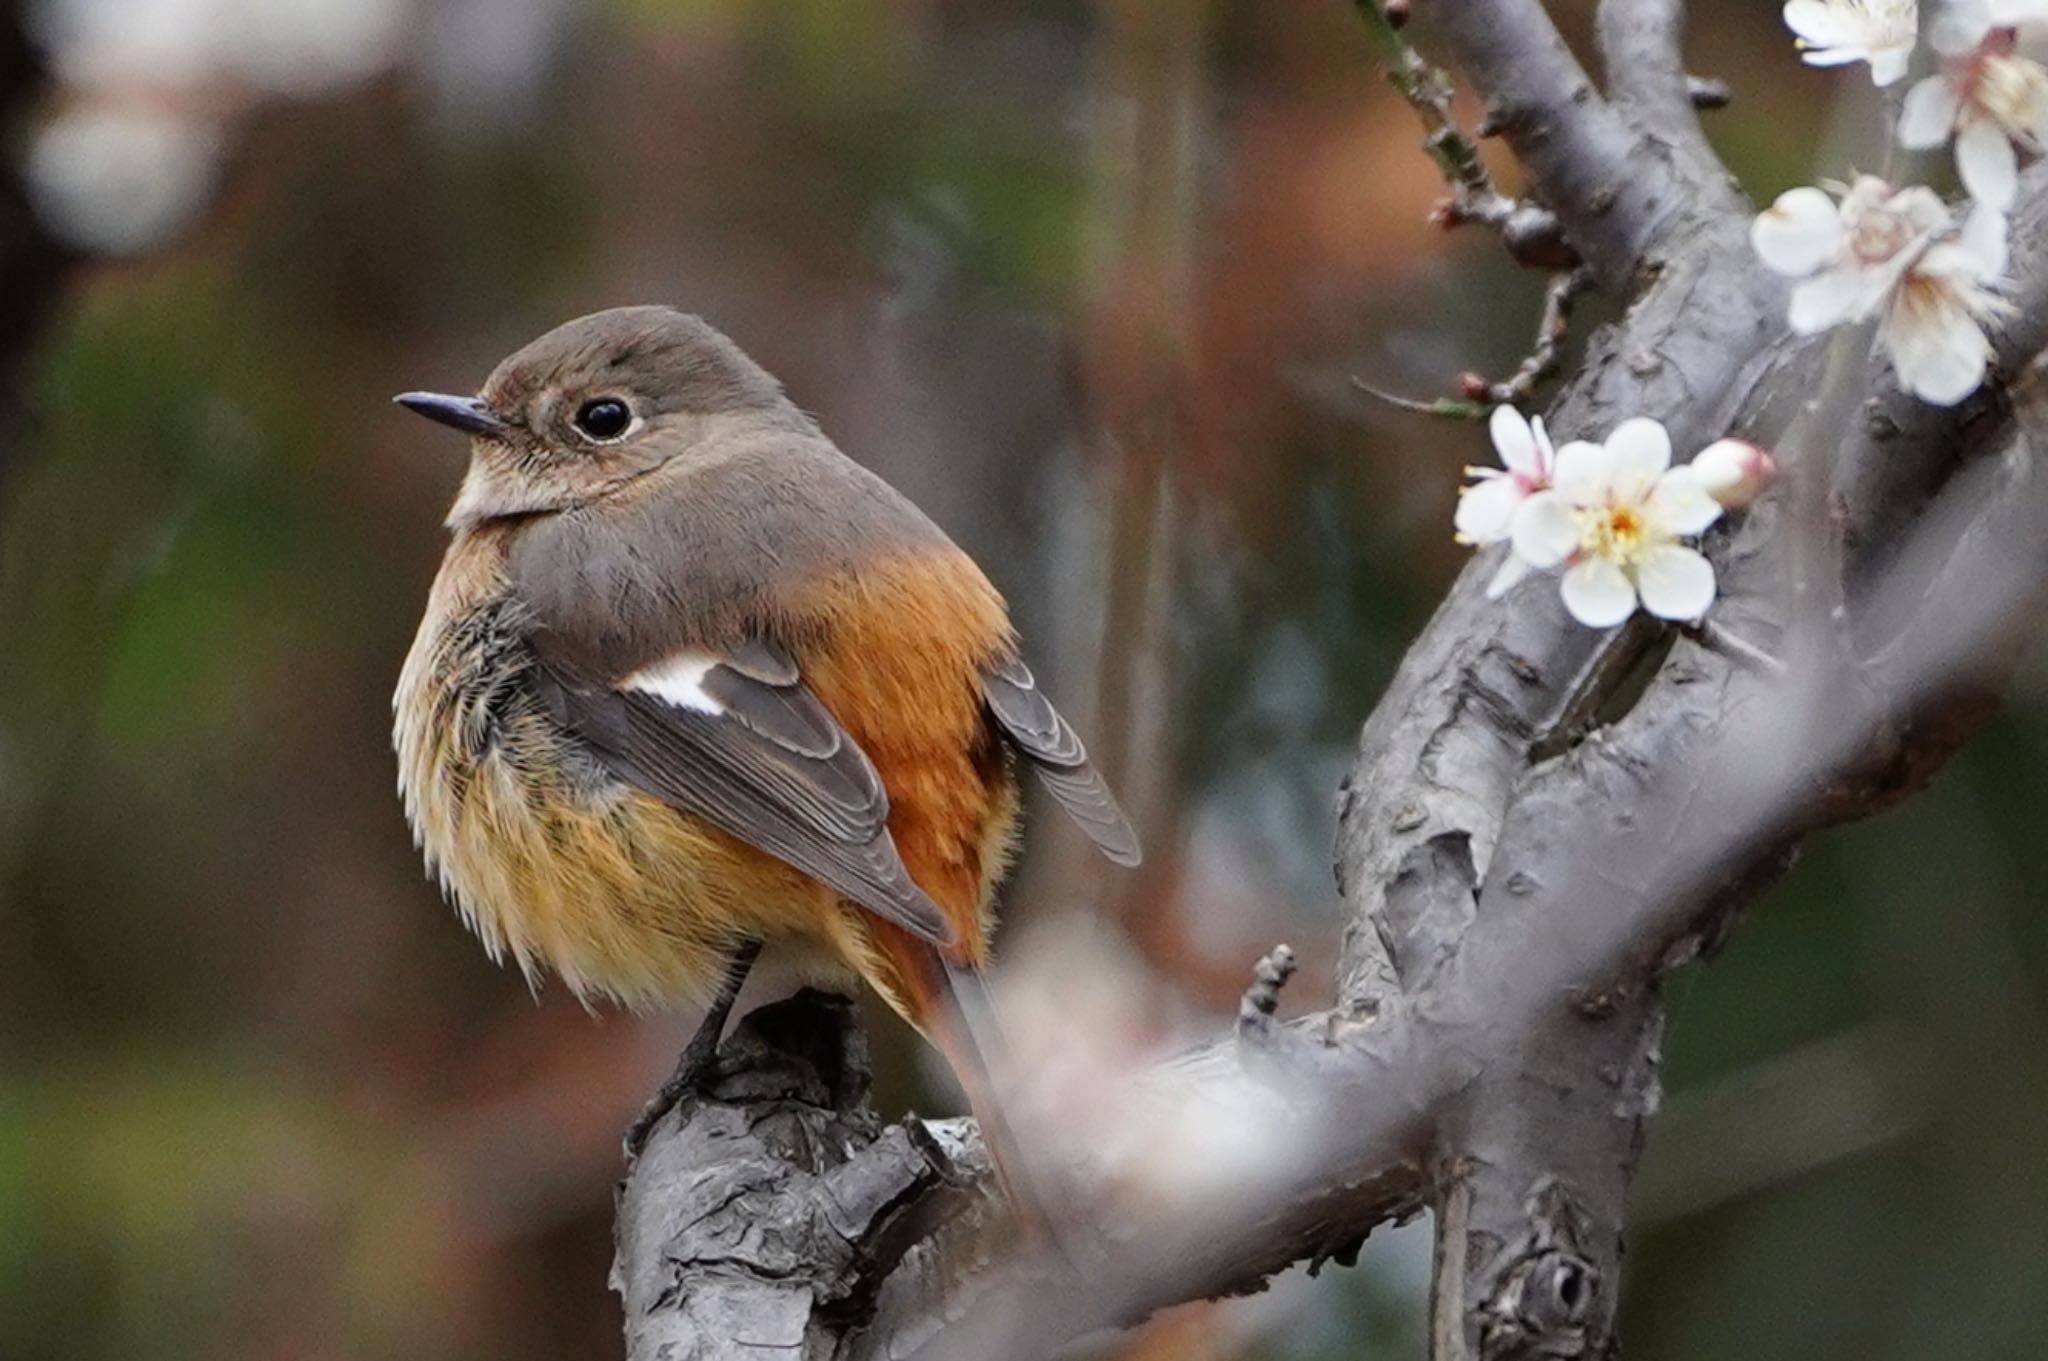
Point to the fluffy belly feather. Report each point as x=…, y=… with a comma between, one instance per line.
x=553, y=862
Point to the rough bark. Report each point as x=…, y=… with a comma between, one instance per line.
x=1540, y=823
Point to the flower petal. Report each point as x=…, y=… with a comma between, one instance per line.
x=1546, y=452
x=1513, y=569
x=1486, y=508
x=1986, y=237
x=1799, y=233
x=1937, y=348
x=1598, y=594
x=1680, y=502
x=1676, y=582
x=1513, y=440
x=1958, y=29
x=1584, y=473
x=1987, y=164
x=1827, y=300
x=1641, y=451
x=1929, y=115
x=1888, y=64
x=1545, y=529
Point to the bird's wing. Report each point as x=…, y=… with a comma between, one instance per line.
x=1043, y=738
x=735, y=738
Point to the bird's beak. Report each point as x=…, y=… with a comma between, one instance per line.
x=466, y=414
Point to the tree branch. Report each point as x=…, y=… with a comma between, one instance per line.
x=1585, y=161
x=1641, y=47
x=1524, y=855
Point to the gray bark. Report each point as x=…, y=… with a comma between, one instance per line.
x=1531, y=837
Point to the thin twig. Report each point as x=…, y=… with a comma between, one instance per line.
x=1553, y=329
x=1445, y=408
x=1478, y=395
x=1734, y=647
x=1530, y=231
x=1262, y=998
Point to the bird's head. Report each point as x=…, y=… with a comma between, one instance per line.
x=595, y=404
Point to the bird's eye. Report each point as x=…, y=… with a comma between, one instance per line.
x=603, y=418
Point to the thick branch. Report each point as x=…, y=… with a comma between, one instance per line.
x=1586, y=162
x=1522, y=863
x=1641, y=48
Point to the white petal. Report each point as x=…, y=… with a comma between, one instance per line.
x=1985, y=237
x=1598, y=593
x=1485, y=509
x=1814, y=20
x=1929, y=115
x=1939, y=352
x=1680, y=502
x=1513, y=568
x=1888, y=64
x=1642, y=451
x=1799, y=233
x=1830, y=56
x=1584, y=473
x=1827, y=300
x=1546, y=452
x=1959, y=29
x=1513, y=440
x=1987, y=164
x=1676, y=582
x=1545, y=529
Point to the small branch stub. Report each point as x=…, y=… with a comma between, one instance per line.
x=1262, y=998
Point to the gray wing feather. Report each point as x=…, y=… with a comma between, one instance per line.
x=1055, y=751
x=774, y=769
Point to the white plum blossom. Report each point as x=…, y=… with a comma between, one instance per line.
x=1963, y=24
x=1894, y=254
x=1733, y=472
x=1994, y=102
x=1613, y=518
x=1487, y=507
x=1837, y=32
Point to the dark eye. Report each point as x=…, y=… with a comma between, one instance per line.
x=603, y=417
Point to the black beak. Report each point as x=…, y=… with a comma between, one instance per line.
x=466, y=414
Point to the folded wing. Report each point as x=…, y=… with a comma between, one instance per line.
x=1038, y=733
x=735, y=738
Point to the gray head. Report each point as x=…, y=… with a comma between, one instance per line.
x=597, y=402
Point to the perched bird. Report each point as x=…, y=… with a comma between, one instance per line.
x=692, y=682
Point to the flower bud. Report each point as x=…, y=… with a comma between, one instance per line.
x=1734, y=471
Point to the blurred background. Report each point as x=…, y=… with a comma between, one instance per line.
x=1090, y=281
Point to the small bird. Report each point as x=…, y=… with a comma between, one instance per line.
x=692, y=682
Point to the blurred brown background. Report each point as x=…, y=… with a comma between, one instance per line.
x=1087, y=280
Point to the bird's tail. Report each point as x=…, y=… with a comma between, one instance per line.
x=950, y=1003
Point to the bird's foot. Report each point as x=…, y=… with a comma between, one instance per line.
x=699, y=1056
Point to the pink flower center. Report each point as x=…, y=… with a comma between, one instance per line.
x=1879, y=235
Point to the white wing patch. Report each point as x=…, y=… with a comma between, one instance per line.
x=678, y=680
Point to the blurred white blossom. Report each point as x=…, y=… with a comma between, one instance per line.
x=1614, y=519
x=1898, y=255
x=1991, y=99
x=117, y=180
x=1963, y=24
x=1837, y=32
x=151, y=88
x=276, y=46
